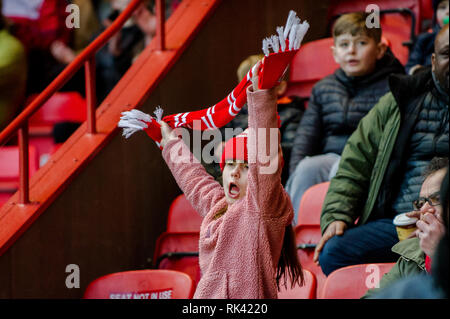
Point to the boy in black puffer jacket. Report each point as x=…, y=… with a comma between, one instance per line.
x=338, y=102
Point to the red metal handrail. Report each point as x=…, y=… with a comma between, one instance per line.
x=86, y=58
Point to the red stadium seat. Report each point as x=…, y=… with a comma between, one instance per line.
x=352, y=282
x=4, y=197
x=311, y=204
x=9, y=167
x=345, y=6
x=178, y=251
x=394, y=30
x=426, y=8
x=312, y=63
x=306, y=238
x=61, y=107
x=182, y=216
x=307, y=291
x=307, y=230
x=142, y=284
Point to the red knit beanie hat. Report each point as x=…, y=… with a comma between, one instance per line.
x=235, y=149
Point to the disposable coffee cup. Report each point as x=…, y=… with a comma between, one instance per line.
x=404, y=225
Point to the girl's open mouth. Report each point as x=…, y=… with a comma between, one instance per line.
x=233, y=190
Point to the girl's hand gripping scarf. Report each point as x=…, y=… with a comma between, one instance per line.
x=284, y=46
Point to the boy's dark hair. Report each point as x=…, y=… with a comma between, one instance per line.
x=436, y=164
x=355, y=24
x=288, y=264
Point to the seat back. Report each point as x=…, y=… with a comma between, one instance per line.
x=313, y=62
x=311, y=204
x=178, y=251
x=61, y=107
x=142, y=284
x=345, y=6
x=9, y=166
x=306, y=238
x=307, y=230
x=426, y=8
x=307, y=291
x=394, y=30
x=182, y=216
x=352, y=282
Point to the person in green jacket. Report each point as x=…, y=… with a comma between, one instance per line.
x=380, y=172
x=13, y=74
x=417, y=253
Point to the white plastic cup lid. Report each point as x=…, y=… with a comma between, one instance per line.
x=403, y=220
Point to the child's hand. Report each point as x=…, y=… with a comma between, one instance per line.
x=255, y=77
x=167, y=134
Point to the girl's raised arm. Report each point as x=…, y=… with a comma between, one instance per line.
x=200, y=188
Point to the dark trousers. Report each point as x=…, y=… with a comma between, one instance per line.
x=368, y=243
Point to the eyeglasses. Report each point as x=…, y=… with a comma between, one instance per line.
x=432, y=200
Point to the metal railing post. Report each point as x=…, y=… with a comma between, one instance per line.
x=160, y=24
x=24, y=173
x=91, y=99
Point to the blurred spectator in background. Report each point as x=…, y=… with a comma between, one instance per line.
x=420, y=55
x=117, y=56
x=41, y=26
x=13, y=71
x=82, y=36
x=114, y=59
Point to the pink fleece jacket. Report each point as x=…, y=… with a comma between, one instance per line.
x=239, y=251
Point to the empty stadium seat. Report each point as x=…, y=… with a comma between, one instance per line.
x=312, y=63
x=344, y=6
x=9, y=169
x=352, y=282
x=61, y=107
x=311, y=204
x=395, y=31
x=4, y=197
x=307, y=230
x=178, y=251
x=307, y=291
x=306, y=239
x=182, y=216
x=142, y=284
x=426, y=13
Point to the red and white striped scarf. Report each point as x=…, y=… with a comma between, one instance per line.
x=273, y=66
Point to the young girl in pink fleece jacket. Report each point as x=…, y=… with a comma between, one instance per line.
x=246, y=238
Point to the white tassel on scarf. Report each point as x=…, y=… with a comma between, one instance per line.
x=284, y=46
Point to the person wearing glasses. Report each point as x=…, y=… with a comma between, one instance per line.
x=417, y=252
x=380, y=170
